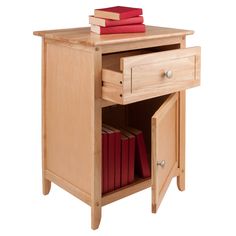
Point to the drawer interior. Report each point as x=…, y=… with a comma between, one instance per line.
x=111, y=61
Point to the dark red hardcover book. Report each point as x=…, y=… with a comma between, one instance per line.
x=104, y=162
x=117, y=12
x=131, y=155
x=121, y=29
x=124, y=160
x=143, y=169
x=111, y=159
x=109, y=23
x=117, y=155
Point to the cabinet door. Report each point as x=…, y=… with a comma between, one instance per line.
x=164, y=148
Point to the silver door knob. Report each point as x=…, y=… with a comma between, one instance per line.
x=161, y=163
x=168, y=74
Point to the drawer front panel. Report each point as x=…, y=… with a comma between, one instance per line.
x=153, y=75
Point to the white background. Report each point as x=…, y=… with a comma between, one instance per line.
x=208, y=205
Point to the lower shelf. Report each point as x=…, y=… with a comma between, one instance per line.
x=136, y=186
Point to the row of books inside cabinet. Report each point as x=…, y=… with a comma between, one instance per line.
x=124, y=156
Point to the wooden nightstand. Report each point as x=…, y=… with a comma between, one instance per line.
x=124, y=79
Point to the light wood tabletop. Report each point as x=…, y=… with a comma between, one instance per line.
x=84, y=36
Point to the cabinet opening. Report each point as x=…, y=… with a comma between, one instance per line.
x=136, y=115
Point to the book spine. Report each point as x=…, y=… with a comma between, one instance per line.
x=137, y=167
x=117, y=160
x=104, y=162
x=124, y=162
x=131, y=159
x=143, y=157
x=137, y=28
x=111, y=161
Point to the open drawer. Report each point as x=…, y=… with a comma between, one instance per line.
x=138, y=77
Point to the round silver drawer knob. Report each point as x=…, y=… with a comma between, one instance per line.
x=161, y=163
x=168, y=74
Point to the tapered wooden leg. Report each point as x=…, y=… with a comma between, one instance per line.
x=46, y=186
x=96, y=214
x=154, y=190
x=181, y=181
x=154, y=208
x=181, y=153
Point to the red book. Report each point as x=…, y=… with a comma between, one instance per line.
x=143, y=168
x=117, y=155
x=111, y=159
x=104, y=162
x=131, y=154
x=109, y=23
x=124, y=160
x=118, y=12
x=138, y=28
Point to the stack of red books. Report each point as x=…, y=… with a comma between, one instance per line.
x=123, y=155
x=117, y=20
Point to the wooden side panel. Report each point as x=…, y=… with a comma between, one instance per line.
x=113, y=77
x=112, y=93
x=164, y=148
x=69, y=110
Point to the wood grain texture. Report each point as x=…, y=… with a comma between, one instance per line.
x=85, y=37
x=70, y=115
x=70, y=45
x=164, y=148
